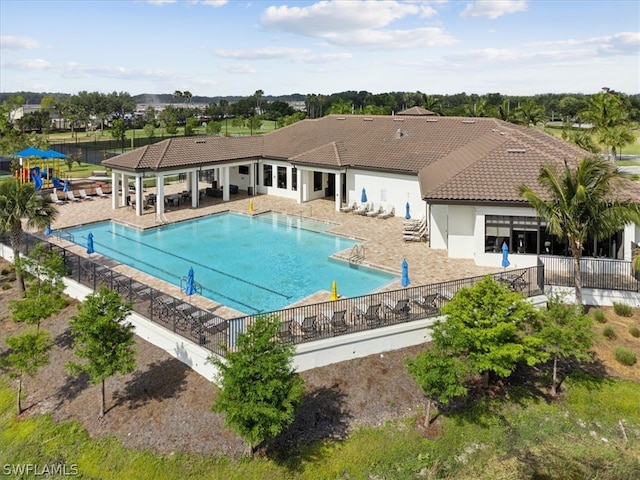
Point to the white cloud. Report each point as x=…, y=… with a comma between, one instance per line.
x=263, y=53
x=295, y=55
x=493, y=9
x=78, y=70
x=360, y=24
x=331, y=17
x=240, y=68
x=393, y=39
x=10, y=43
x=212, y=3
x=160, y=2
x=623, y=43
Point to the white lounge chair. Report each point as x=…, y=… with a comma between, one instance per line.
x=83, y=194
x=415, y=236
x=362, y=210
x=375, y=213
x=349, y=208
x=100, y=193
x=55, y=199
x=388, y=213
x=71, y=197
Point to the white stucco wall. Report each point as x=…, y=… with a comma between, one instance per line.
x=439, y=228
x=388, y=189
x=461, y=223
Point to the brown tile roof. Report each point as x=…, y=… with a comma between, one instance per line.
x=456, y=158
x=415, y=111
x=187, y=152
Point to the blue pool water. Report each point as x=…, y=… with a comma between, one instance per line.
x=253, y=264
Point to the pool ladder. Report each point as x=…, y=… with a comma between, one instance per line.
x=357, y=255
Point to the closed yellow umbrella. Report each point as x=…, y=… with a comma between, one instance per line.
x=334, y=290
x=251, y=205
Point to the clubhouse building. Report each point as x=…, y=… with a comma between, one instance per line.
x=461, y=174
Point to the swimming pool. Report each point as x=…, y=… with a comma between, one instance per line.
x=253, y=264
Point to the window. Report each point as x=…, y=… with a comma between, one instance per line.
x=317, y=181
x=266, y=173
x=282, y=177
x=243, y=169
x=294, y=179
x=529, y=235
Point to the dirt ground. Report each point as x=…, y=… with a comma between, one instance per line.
x=166, y=407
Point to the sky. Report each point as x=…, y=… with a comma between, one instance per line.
x=234, y=47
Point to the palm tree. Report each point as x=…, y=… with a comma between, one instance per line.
x=580, y=138
x=582, y=201
x=615, y=137
x=177, y=94
x=18, y=201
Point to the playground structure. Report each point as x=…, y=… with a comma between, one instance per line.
x=43, y=168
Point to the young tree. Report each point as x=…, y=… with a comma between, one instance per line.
x=18, y=201
x=44, y=294
x=28, y=352
x=485, y=324
x=260, y=391
x=581, y=201
x=441, y=376
x=565, y=332
x=102, y=338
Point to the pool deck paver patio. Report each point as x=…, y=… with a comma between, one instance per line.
x=382, y=238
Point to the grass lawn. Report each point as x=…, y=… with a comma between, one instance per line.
x=632, y=149
x=591, y=431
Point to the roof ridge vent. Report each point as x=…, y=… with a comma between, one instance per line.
x=468, y=121
x=516, y=150
x=341, y=118
x=431, y=119
x=368, y=119
x=396, y=119
x=201, y=141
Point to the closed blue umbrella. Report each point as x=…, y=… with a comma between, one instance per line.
x=47, y=231
x=407, y=215
x=363, y=197
x=505, y=255
x=66, y=185
x=405, y=273
x=190, y=287
x=90, y=243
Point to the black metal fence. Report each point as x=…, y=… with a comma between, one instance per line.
x=299, y=324
x=601, y=273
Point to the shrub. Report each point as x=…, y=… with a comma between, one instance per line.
x=609, y=332
x=622, y=309
x=634, y=331
x=625, y=356
x=600, y=316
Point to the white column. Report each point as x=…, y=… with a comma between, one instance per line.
x=160, y=194
x=225, y=183
x=252, y=178
x=124, y=188
x=195, y=192
x=338, y=190
x=114, y=190
x=139, y=195
x=301, y=187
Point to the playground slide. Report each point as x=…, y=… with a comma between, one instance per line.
x=36, y=178
x=57, y=183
